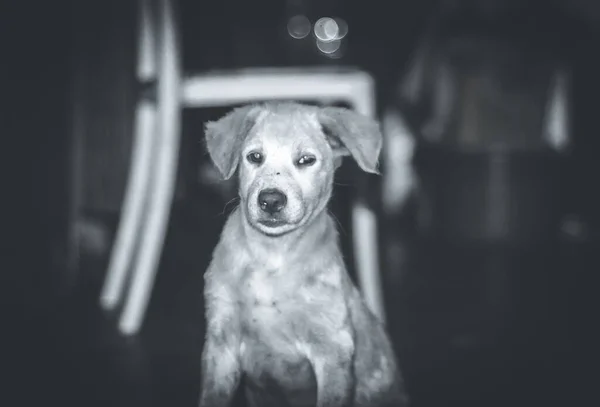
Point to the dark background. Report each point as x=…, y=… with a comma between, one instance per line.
x=505, y=324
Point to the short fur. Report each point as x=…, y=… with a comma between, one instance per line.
x=281, y=309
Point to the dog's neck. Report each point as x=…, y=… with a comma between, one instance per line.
x=285, y=247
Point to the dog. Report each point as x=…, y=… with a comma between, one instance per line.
x=282, y=314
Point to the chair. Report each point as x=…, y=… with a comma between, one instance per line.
x=150, y=187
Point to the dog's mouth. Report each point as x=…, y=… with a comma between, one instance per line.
x=272, y=223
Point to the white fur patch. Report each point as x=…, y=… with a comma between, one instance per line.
x=304, y=349
x=261, y=288
x=222, y=308
x=345, y=340
x=227, y=363
x=275, y=261
x=330, y=278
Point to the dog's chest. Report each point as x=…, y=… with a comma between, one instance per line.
x=270, y=309
x=260, y=287
x=287, y=304
x=265, y=294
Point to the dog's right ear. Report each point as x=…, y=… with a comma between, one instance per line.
x=351, y=133
x=225, y=138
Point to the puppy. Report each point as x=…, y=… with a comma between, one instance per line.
x=282, y=312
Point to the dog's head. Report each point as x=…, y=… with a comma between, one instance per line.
x=286, y=154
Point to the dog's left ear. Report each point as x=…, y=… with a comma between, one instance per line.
x=225, y=137
x=351, y=133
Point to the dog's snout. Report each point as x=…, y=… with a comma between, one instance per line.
x=271, y=200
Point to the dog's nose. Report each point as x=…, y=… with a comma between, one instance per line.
x=271, y=200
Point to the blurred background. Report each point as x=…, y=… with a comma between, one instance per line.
x=488, y=210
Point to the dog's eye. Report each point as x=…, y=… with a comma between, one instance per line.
x=306, y=160
x=255, y=158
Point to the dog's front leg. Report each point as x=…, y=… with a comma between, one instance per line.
x=221, y=367
x=333, y=370
x=221, y=371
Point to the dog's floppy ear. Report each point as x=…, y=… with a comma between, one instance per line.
x=351, y=133
x=225, y=137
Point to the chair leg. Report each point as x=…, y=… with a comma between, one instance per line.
x=364, y=219
x=366, y=254
x=139, y=175
x=164, y=177
x=133, y=207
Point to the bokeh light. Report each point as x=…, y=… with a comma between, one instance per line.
x=326, y=29
x=298, y=27
x=329, y=47
x=329, y=33
x=342, y=27
x=330, y=29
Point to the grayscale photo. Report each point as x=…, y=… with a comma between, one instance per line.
x=300, y=203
